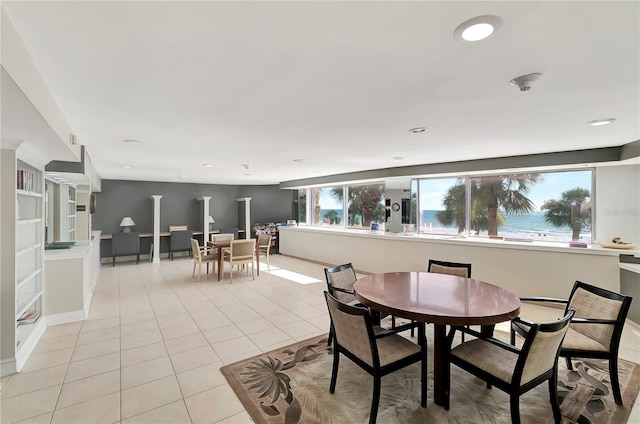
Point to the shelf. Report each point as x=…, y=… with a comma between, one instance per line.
x=28, y=278
x=28, y=193
x=28, y=221
x=31, y=298
x=28, y=249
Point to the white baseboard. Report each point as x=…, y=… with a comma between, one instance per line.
x=67, y=317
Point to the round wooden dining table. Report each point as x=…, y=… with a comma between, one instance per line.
x=442, y=300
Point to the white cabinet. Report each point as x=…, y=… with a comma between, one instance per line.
x=22, y=258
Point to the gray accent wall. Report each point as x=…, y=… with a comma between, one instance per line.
x=178, y=206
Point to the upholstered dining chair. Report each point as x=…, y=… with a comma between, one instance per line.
x=340, y=280
x=264, y=248
x=125, y=244
x=241, y=252
x=180, y=241
x=202, y=255
x=450, y=268
x=377, y=352
x=595, y=330
x=512, y=370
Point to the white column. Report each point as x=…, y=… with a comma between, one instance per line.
x=247, y=216
x=156, y=228
x=205, y=218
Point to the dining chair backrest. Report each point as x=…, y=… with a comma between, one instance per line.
x=340, y=280
x=195, y=246
x=264, y=242
x=597, y=303
x=125, y=243
x=221, y=237
x=449, y=268
x=541, y=347
x=353, y=329
x=242, y=249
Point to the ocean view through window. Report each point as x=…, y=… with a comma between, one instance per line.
x=534, y=206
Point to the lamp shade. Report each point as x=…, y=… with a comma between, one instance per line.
x=127, y=222
x=211, y=220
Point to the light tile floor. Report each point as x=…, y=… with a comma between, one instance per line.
x=151, y=349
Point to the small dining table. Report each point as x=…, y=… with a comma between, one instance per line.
x=225, y=244
x=442, y=300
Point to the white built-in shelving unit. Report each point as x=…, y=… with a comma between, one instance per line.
x=22, y=185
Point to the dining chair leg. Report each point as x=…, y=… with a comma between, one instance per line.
x=553, y=398
x=514, y=401
x=193, y=274
x=334, y=371
x=376, y=399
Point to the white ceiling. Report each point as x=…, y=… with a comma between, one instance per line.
x=337, y=85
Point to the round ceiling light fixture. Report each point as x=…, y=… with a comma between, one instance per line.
x=477, y=29
x=397, y=158
x=207, y=165
x=132, y=141
x=418, y=130
x=601, y=122
x=127, y=166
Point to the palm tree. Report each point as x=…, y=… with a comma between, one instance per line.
x=455, y=210
x=507, y=192
x=488, y=195
x=572, y=210
x=316, y=207
x=333, y=217
x=363, y=202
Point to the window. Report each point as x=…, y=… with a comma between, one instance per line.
x=327, y=207
x=552, y=206
x=365, y=206
x=442, y=206
x=534, y=206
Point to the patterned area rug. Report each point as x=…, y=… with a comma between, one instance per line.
x=291, y=385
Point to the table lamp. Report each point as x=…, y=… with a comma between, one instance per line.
x=211, y=222
x=126, y=224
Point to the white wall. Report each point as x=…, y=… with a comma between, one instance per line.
x=617, y=195
x=521, y=269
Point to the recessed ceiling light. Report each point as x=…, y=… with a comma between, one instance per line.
x=479, y=28
x=127, y=166
x=418, y=130
x=132, y=141
x=176, y=179
x=600, y=122
x=298, y=160
x=397, y=158
x=207, y=165
x=183, y=176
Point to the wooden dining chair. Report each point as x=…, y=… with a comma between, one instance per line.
x=264, y=248
x=378, y=352
x=202, y=255
x=241, y=252
x=595, y=330
x=512, y=370
x=450, y=268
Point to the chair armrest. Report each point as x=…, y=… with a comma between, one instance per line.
x=593, y=321
x=491, y=340
x=343, y=290
x=384, y=332
x=543, y=299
